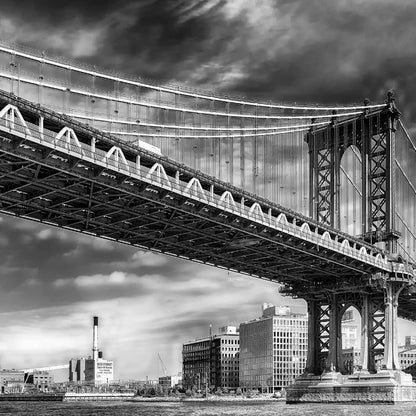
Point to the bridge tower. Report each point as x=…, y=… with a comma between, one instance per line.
x=373, y=133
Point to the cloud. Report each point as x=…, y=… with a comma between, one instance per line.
x=164, y=319
x=278, y=50
x=162, y=313
x=99, y=280
x=148, y=259
x=81, y=42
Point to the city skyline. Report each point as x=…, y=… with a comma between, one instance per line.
x=54, y=281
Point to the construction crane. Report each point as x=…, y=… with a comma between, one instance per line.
x=165, y=371
x=25, y=382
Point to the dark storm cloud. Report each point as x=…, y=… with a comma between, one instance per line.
x=47, y=12
x=330, y=51
x=165, y=40
x=62, y=268
x=31, y=245
x=58, y=267
x=66, y=255
x=153, y=38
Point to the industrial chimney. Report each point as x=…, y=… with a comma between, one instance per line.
x=95, y=340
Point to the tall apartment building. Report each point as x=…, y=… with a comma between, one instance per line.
x=408, y=360
x=352, y=359
x=349, y=331
x=273, y=349
x=410, y=341
x=212, y=362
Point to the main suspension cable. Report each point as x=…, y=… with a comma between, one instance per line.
x=231, y=136
x=167, y=107
x=138, y=123
x=178, y=91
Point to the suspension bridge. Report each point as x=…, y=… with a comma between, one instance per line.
x=320, y=199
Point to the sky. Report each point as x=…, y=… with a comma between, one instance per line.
x=53, y=281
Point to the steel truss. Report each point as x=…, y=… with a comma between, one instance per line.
x=376, y=331
x=325, y=320
x=373, y=134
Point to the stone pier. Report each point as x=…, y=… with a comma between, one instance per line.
x=323, y=379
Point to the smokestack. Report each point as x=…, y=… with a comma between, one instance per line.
x=95, y=339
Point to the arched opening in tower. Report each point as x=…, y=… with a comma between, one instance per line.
x=351, y=191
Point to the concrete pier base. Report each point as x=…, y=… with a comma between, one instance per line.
x=386, y=386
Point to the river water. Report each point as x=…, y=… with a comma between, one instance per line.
x=200, y=409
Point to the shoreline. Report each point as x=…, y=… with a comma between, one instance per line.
x=129, y=397
x=206, y=399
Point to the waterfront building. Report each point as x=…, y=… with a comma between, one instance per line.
x=408, y=361
x=410, y=341
x=196, y=363
x=349, y=331
x=88, y=370
x=350, y=359
x=103, y=371
x=42, y=380
x=81, y=370
x=273, y=349
x=12, y=381
x=212, y=362
x=170, y=381
x=59, y=373
x=93, y=370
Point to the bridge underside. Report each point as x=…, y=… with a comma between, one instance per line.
x=44, y=186
x=47, y=188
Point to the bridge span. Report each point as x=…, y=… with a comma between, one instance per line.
x=64, y=173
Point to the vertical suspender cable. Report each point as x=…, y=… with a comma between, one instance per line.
x=298, y=147
x=158, y=117
x=255, y=167
x=230, y=152
x=267, y=162
x=12, y=66
x=293, y=176
x=354, y=167
x=18, y=78
x=242, y=150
